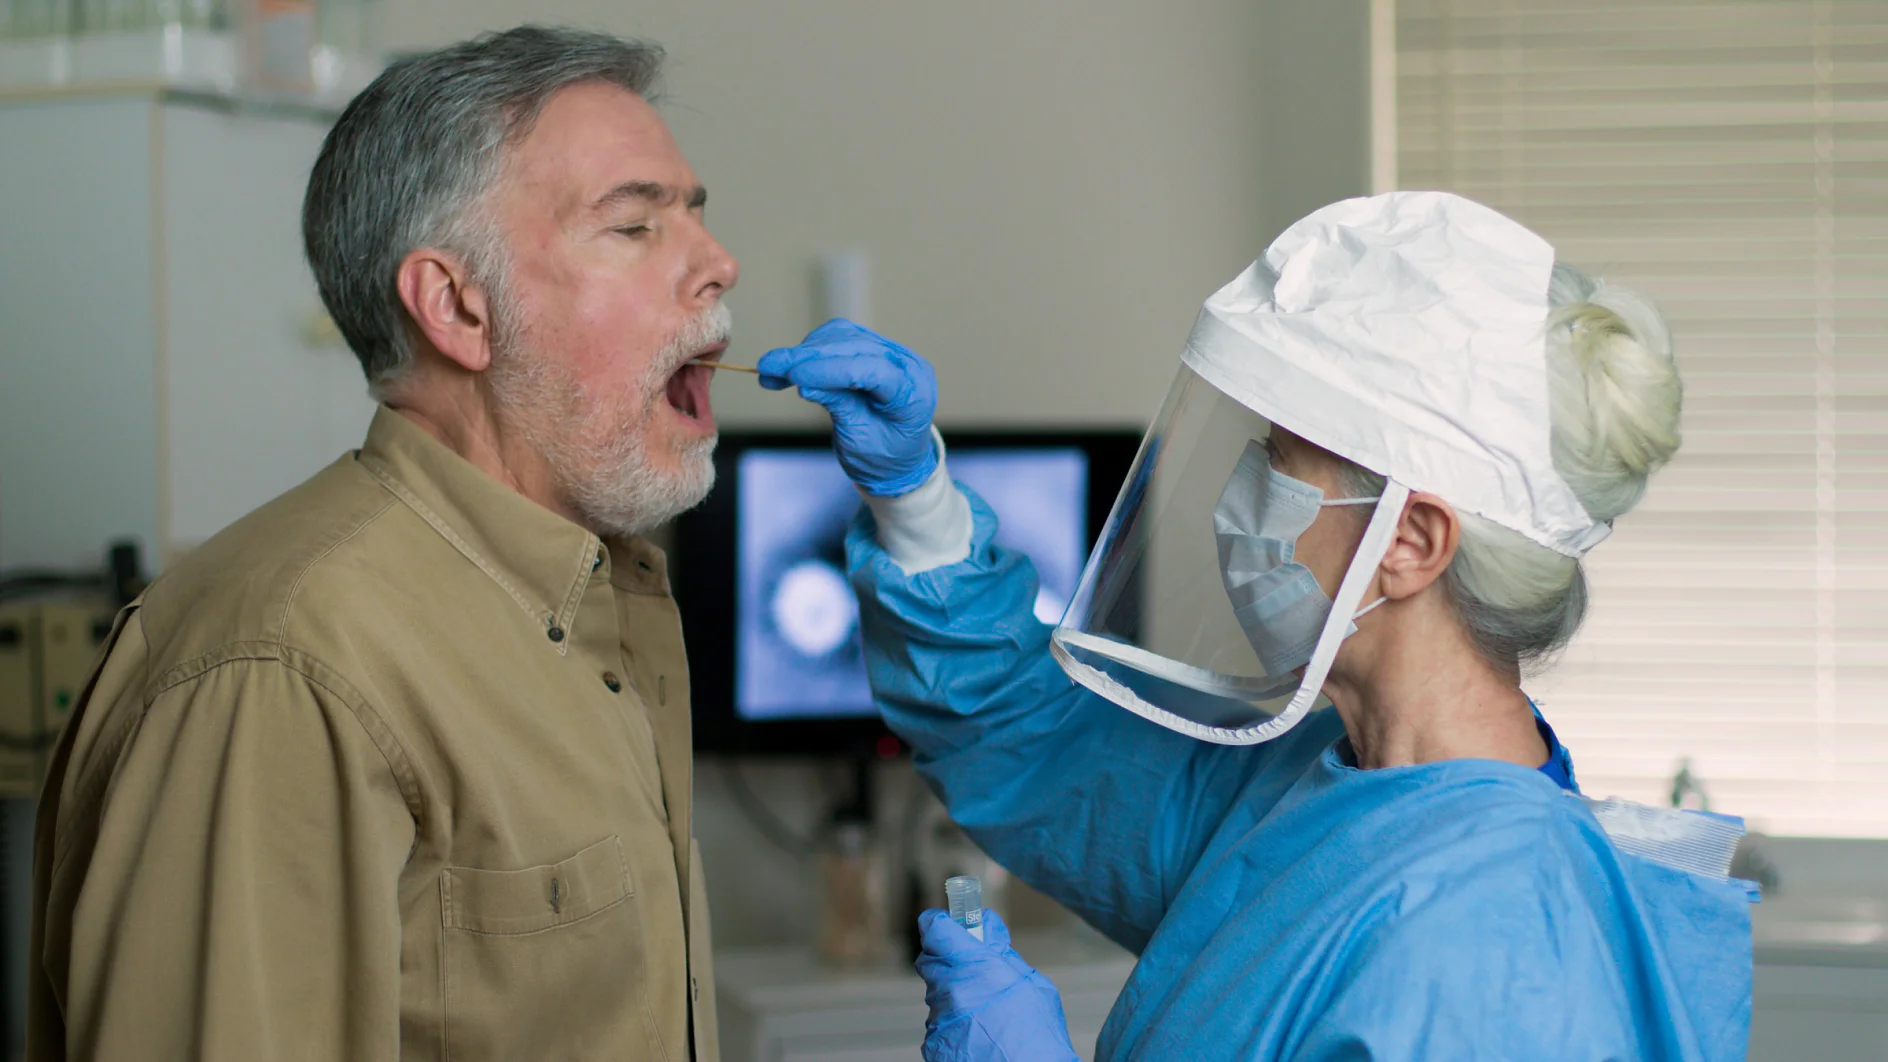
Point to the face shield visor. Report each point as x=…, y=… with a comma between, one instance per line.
x=1194, y=610
x=1406, y=332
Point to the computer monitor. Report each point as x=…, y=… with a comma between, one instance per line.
x=772, y=624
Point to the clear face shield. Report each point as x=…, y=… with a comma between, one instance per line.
x=1193, y=610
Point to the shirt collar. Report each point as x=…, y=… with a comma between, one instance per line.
x=637, y=566
x=542, y=560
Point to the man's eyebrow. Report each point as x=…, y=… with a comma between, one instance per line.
x=653, y=192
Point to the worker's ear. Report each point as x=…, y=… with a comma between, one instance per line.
x=450, y=310
x=1425, y=544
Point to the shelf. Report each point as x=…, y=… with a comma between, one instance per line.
x=206, y=63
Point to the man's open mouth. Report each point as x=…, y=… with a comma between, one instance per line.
x=687, y=390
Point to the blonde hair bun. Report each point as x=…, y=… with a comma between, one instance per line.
x=1614, y=389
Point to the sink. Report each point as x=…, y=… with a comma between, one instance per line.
x=1849, y=929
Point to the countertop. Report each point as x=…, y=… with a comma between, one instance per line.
x=1793, y=929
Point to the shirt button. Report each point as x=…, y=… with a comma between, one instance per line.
x=555, y=634
x=598, y=563
x=615, y=684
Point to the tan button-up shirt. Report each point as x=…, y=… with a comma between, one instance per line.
x=398, y=766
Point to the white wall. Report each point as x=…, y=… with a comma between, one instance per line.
x=1314, y=58
x=1047, y=191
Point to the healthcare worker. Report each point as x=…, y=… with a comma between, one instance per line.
x=1389, y=443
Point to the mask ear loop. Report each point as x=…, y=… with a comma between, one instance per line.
x=1370, y=553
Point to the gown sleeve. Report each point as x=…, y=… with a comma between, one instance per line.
x=1095, y=806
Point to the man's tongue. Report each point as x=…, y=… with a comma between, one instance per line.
x=685, y=391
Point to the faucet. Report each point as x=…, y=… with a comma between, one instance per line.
x=1685, y=784
x=1752, y=862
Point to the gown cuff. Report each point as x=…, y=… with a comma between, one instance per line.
x=926, y=528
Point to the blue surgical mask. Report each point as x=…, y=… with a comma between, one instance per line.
x=1278, y=602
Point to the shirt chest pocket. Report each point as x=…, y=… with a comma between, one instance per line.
x=538, y=961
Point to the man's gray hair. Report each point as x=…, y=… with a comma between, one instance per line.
x=411, y=159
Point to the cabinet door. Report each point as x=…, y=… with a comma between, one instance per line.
x=1825, y=1013
x=252, y=406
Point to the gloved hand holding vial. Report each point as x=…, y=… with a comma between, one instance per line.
x=987, y=1004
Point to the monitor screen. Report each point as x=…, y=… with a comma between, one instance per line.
x=776, y=665
x=797, y=645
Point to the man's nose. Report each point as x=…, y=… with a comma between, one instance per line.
x=716, y=271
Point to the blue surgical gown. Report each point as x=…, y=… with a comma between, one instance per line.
x=1284, y=904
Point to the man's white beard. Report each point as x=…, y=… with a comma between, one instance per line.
x=596, y=445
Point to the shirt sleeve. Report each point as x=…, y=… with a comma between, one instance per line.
x=927, y=528
x=1102, y=810
x=241, y=900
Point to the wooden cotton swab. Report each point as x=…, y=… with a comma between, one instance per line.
x=724, y=365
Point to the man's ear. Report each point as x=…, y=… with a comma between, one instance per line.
x=1426, y=540
x=449, y=309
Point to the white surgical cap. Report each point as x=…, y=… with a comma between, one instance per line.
x=1407, y=333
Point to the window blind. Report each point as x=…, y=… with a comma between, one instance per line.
x=1729, y=159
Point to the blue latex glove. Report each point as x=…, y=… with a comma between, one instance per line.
x=987, y=1004
x=881, y=398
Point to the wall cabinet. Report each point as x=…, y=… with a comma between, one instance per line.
x=164, y=365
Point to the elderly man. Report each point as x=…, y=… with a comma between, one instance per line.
x=398, y=766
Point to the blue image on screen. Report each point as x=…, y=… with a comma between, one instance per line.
x=798, y=653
